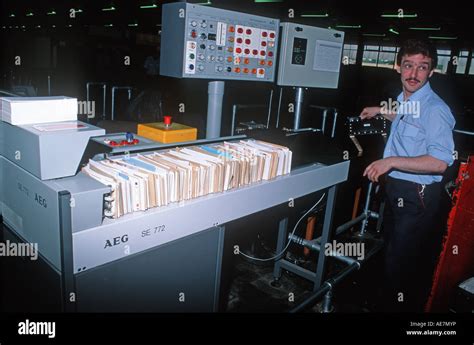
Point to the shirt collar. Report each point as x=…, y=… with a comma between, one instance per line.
x=418, y=95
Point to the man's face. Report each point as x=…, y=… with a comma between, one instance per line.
x=415, y=71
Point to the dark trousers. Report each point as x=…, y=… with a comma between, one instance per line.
x=413, y=231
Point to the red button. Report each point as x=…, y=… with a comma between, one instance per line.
x=238, y=50
x=240, y=30
x=113, y=143
x=264, y=44
x=254, y=71
x=264, y=34
x=231, y=29
x=167, y=119
x=247, y=51
x=270, y=63
x=237, y=70
x=248, y=32
x=262, y=53
x=239, y=40
x=193, y=34
x=270, y=54
x=123, y=142
x=135, y=141
x=261, y=71
x=272, y=35
x=246, y=61
x=255, y=52
x=247, y=41
x=246, y=70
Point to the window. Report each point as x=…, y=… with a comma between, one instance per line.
x=387, y=57
x=379, y=56
x=471, y=69
x=443, y=60
x=462, y=62
x=349, y=54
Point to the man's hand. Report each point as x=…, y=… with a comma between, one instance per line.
x=369, y=112
x=378, y=168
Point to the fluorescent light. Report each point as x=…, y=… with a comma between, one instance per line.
x=108, y=25
x=399, y=15
x=53, y=26
x=38, y=26
x=424, y=29
x=133, y=24
x=53, y=12
x=442, y=38
x=393, y=31
x=76, y=11
x=349, y=26
x=314, y=15
x=12, y=15
x=111, y=8
x=148, y=6
x=374, y=35
x=208, y=2
x=30, y=14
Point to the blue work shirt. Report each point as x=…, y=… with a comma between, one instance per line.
x=423, y=126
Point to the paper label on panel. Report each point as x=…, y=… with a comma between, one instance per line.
x=327, y=56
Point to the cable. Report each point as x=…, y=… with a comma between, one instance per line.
x=289, y=241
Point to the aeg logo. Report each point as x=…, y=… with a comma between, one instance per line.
x=116, y=241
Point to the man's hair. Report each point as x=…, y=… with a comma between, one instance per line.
x=416, y=46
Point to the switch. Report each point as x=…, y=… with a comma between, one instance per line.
x=203, y=36
x=192, y=56
x=193, y=23
x=129, y=137
x=202, y=46
x=191, y=67
x=219, y=68
x=201, y=56
x=220, y=58
x=203, y=25
x=201, y=68
x=229, y=69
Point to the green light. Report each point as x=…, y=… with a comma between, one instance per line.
x=30, y=14
x=425, y=29
x=374, y=35
x=148, y=6
x=400, y=15
x=394, y=31
x=314, y=15
x=349, y=26
x=12, y=15
x=53, y=12
x=111, y=8
x=442, y=38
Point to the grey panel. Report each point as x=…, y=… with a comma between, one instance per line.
x=196, y=42
x=139, y=231
x=87, y=197
x=153, y=280
x=30, y=208
x=47, y=155
x=300, y=48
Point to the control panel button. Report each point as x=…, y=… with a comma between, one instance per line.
x=201, y=68
x=202, y=46
x=194, y=23
x=248, y=31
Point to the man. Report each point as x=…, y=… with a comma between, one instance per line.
x=418, y=151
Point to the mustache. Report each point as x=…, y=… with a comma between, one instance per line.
x=412, y=79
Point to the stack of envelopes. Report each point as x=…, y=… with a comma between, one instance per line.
x=156, y=179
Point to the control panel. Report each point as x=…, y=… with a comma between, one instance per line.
x=310, y=56
x=375, y=125
x=210, y=43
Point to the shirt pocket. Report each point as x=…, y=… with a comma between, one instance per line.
x=409, y=130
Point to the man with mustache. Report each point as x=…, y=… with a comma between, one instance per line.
x=418, y=151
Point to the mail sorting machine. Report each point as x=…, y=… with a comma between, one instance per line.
x=165, y=259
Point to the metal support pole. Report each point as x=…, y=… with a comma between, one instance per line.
x=49, y=85
x=334, y=124
x=325, y=237
x=282, y=230
x=366, y=210
x=214, y=109
x=279, y=108
x=323, y=125
x=115, y=88
x=298, y=107
x=270, y=109
x=234, y=113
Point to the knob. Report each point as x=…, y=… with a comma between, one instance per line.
x=129, y=137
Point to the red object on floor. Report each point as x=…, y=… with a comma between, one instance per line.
x=456, y=262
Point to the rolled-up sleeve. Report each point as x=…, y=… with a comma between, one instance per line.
x=438, y=125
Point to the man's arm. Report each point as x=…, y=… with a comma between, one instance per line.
x=370, y=112
x=425, y=164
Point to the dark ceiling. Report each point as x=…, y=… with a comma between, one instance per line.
x=450, y=18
